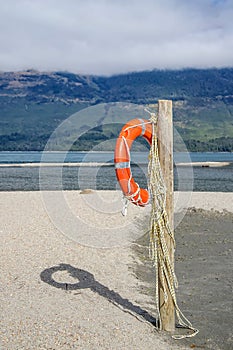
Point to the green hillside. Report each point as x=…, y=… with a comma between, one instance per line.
x=33, y=104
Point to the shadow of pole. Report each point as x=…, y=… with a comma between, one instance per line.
x=87, y=280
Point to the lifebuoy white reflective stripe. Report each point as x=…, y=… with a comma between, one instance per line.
x=122, y=165
x=143, y=125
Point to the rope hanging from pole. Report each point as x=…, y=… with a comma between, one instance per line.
x=158, y=229
x=162, y=241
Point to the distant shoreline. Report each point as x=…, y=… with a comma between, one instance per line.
x=98, y=164
x=39, y=164
x=205, y=164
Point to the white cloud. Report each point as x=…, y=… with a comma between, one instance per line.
x=113, y=36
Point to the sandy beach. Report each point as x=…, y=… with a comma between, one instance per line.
x=62, y=287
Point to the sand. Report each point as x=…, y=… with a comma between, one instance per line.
x=60, y=293
x=204, y=164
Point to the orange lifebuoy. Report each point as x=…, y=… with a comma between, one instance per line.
x=133, y=129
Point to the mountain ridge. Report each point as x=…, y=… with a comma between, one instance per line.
x=33, y=103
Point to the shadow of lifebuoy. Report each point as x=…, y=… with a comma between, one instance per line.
x=87, y=280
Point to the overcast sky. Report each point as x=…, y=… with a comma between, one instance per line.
x=115, y=36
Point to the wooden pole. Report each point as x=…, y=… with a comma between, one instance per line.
x=165, y=148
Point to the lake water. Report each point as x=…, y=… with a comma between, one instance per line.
x=102, y=177
x=138, y=157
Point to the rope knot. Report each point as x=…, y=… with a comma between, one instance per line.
x=153, y=118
